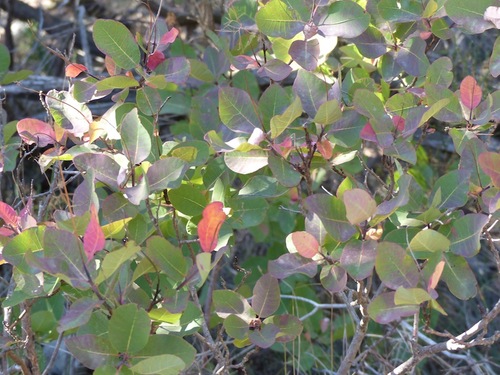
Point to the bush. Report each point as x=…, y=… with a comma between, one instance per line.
x=303, y=129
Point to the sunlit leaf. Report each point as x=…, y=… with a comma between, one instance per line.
x=359, y=204
x=490, y=164
x=93, y=239
x=237, y=110
x=411, y=296
x=33, y=131
x=470, y=92
x=395, y=267
x=344, y=19
x=277, y=19
x=165, y=364
x=303, y=243
x=430, y=241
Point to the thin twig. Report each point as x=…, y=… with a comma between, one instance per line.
x=53, y=357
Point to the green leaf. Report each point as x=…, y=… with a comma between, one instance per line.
x=262, y=186
x=266, y=296
x=195, y=153
x=495, y=59
x=92, y=350
x=236, y=327
x=4, y=61
x=429, y=241
x=248, y=212
x=113, y=260
x=167, y=344
x=394, y=11
x=166, y=173
x=440, y=72
x=277, y=19
x=280, y=122
x=116, y=41
x=188, y=199
x=453, y=190
x=359, y=204
x=246, y=161
x=273, y=101
x=344, y=19
x=333, y=278
x=129, y=328
x=26, y=242
x=459, y=277
x=383, y=309
x=311, y=90
x=237, y=110
x=412, y=58
x=164, y=364
x=167, y=258
x=411, y=296
x=328, y=113
x=283, y=171
x=135, y=138
x=465, y=234
x=395, y=267
x=116, y=82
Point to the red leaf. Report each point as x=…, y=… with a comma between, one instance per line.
x=209, y=226
x=93, y=239
x=33, y=131
x=74, y=70
x=399, y=123
x=155, y=59
x=490, y=164
x=167, y=38
x=325, y=148
x=470, y=92
x=368, y=134
x=304, y=243
x=8, y=215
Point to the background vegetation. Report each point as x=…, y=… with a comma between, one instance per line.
x=285, y=186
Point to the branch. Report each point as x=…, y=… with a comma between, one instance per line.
x=459, y=342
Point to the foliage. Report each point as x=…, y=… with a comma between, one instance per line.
x=279, y=114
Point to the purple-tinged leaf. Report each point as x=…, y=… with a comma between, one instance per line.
x=135, y=138
x=495, y=59
x=289, y=325
x=33, y=131
x=383, y=309
x=291, y=264
x=311, y=90
x=388, y=207
x=358, y=258
x=359, y=205
x=216, y=61
x=275, y=69
x=78, y=314
x=470, y=93
x=402, y=149
x=465, y=234
x=85, y=196
x=490, y=164
x=266, y=296
x=333, y=278
x=344, y=19
x=93, y=239
x=64, y=258
x=412, y=58
x=278, y=19
x=395, y=267
x=371, y=43
x=237, y=110
x=440, y=72
x=243, y=62
x=175, y=69
x=305, y=53
x=92, y=351
x=273, y=101
x=137, y=193
x=166, y=174
x=450, y=191
x=265, y=336
x=469, y=15
x=459, y=277
x=26, y=219
x=105, y=167
x=332, y=214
